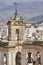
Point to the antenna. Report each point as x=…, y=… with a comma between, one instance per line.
x=16, y=10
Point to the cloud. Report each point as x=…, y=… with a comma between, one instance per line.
x=11, y=1
x=28, y=8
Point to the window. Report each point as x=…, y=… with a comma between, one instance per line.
x=38, y=57
x=5, y=59
x=29, y=58
x=17, y=31
x=27, y=32
x=18, y=58
x=33, y=34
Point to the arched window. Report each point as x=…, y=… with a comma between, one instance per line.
x=5, y=59
x=38, y=57
x=18, y=58
x=29, y=58
x=17, y=33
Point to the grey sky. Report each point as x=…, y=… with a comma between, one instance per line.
x=6, y=10
x=11, y=1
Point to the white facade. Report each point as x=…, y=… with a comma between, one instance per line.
x=35, y=32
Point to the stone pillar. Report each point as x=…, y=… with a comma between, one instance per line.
x=9, y=58
x=14, y=55
x=0, y=57
x=42, y=57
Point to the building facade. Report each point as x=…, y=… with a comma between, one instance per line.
x=22, y=46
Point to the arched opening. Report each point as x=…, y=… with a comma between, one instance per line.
x=5, y=59
x=29, y=58
x=17, y=33
x=18, y=58
x=38, y=57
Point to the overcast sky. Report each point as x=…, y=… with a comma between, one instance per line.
x=5, y=11
x=11, y=1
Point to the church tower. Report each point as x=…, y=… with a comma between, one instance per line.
x=16, y=29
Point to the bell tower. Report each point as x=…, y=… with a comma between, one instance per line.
x=16, y=29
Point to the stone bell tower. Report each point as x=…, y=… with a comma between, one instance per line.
x=16, y=29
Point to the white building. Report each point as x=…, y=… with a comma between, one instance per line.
x=35, y=31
